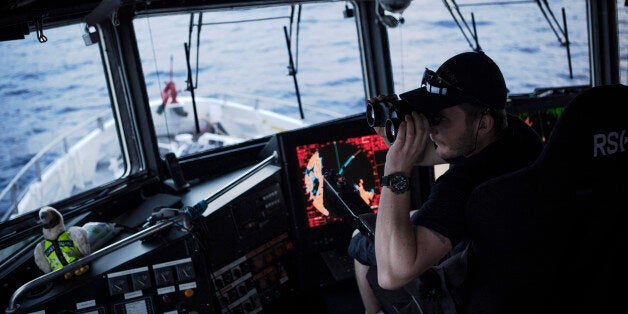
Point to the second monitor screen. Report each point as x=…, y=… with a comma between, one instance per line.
x=360, y=160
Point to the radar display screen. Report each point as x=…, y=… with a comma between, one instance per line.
x=360, y=160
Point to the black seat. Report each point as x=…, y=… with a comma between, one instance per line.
x=551, y=237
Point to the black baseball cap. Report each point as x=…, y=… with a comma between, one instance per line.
x=470, y=77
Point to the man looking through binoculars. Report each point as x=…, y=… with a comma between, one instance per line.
x=456, y=116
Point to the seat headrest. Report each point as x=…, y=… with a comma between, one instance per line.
x=590, y=136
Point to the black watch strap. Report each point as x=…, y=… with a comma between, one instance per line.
x=397, y=182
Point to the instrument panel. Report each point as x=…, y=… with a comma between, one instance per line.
x=234, y=259
x=166, y=274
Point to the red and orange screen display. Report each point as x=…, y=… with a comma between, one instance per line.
x=360, y=160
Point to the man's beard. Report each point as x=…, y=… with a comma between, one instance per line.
x=463, y=147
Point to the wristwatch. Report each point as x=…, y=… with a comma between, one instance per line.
x=396, y=182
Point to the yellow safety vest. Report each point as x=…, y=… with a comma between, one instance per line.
x=61, y=252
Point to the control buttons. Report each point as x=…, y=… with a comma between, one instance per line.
x=164, y=276
x=185, y=272
x=237, y=273
x=219, y=283
x=227, y=277
x=140, y=280
x=118, y=285
x=188, y=293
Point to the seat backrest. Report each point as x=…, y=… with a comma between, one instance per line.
x=549, y=237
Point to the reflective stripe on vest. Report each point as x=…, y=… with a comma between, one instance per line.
x=61, y=252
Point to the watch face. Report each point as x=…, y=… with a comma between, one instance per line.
x=398, y=183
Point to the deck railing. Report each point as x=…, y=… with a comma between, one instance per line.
x=15, y=191
x=255, y=100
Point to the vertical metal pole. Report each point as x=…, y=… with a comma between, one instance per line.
x=293, y=73
x=187, y=59
x=567, y=44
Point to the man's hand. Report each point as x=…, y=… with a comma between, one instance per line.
x=410, y=146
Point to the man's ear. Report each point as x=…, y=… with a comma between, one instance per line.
x=486, y=123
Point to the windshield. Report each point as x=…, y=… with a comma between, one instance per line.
x=57, y=135
x=252, y=73
x=530, y=46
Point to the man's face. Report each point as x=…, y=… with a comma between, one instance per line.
x=453, y=136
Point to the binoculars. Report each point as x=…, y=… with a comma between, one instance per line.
x=387, y=114
x=390, y=113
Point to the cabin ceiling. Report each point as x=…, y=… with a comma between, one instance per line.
x=20, y=17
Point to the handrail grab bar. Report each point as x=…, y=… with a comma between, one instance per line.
x=12, y=308
x=242, y=177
